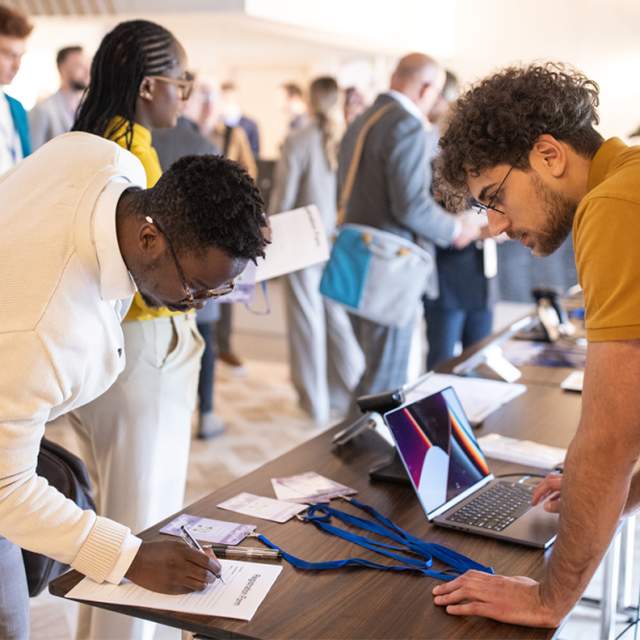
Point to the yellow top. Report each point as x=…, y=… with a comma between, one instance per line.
x=142, y=149
x=606, y=237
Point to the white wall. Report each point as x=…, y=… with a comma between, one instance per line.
x=472, y=37
x=601, y=38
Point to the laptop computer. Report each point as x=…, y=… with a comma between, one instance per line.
x=452, y=480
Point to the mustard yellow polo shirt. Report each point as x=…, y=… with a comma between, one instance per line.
x=143, y=150
x=606, y=237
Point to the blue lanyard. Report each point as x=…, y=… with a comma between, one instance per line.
x=420, y=560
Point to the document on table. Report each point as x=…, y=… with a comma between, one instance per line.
x=298, y=240
x=479, y=397
x=532, y=454
x=246, y=586
x=265, y=508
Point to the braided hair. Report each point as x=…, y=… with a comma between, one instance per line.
x=132, y=50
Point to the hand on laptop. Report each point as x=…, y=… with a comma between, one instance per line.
x=515, y=600
x=548, y=490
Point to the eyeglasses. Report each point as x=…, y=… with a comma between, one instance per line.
x=185, y=85
x=480, y=207
x=193, y=295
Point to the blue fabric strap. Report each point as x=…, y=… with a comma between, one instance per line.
x=415, y=554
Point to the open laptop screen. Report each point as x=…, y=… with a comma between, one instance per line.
x=438, y=448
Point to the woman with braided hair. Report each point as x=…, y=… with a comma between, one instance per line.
x=325, y=359
x=136, y=437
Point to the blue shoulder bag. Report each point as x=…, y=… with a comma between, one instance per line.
x=372, y=273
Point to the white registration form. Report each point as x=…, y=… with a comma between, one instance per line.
x=246, y=586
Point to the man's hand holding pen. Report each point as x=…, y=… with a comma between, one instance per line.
x=169, y=566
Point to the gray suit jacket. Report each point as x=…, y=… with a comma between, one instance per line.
x=303, y=176
x=392, y=190
x=182, y=140
x=48, y=119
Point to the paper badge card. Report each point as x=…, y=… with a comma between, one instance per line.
x=309, y=487
x=209, y=530
x=265, y=508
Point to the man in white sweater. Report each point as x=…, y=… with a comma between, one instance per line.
x=79, y=236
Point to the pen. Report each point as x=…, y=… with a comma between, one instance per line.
x=244, y=553
x=192, y=542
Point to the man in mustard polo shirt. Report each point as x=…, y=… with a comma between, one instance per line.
x=523, y=146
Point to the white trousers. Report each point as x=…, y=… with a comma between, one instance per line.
x=324, y=355
x=135, y=441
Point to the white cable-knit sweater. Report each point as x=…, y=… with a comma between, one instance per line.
x=64, y=288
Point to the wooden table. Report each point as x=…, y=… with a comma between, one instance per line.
x=363, y=604
x=531, y=374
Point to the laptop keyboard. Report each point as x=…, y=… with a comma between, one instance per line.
x=496, y=508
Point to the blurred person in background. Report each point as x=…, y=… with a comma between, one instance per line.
x=136, y=437
x=354, y=104
x=463, y=311
x=15, y=142
x=294, y=105
x=392, y=192
x=172, y=144
x=232, y=141
x=233, y=116
x=55, y=115
x=325, y=359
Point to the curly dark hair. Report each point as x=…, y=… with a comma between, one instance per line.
x=208, y=201
x=499, y=120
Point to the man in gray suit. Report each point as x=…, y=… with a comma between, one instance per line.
x=55, y=115
x=392, y=192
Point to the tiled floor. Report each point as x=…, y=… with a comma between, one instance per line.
x=263, y=422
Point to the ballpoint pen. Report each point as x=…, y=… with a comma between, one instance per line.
x=192, y=542
x=244, y=553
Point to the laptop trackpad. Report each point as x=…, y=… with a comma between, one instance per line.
x=536, y=526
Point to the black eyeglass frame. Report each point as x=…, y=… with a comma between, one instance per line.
x=481, y=208
x=193, y=295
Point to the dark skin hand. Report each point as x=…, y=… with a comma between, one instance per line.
x=172, y=567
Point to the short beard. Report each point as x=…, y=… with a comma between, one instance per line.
x=560, y=212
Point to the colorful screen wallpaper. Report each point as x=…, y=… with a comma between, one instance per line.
x=439, y=450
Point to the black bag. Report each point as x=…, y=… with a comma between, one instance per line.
x=68, y=474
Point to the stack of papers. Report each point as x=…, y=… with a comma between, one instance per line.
x=246, y=585
x=308, y=488
x=531, y=454
x=479, y=397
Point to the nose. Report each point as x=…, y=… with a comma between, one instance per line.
x=498, y=223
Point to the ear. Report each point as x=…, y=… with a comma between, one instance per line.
x=549, y=156
x=150, y=240
x=147, y=87
x=424, y=88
